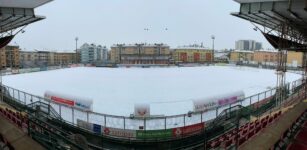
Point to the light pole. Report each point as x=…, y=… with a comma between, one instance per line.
x=76, y=57
x=213, y=38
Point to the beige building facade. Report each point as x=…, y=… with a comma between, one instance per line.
x=140, y=54
x=294, y=59
x=9, y=57
x=192, y=55
x=236, y=56
x=47, y=58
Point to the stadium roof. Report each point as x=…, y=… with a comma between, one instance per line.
x=22, y=3
x=18, y=13
x=274, y=13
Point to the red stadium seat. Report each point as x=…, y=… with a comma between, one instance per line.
x=227, y=144
x=297, y=146
x=215, y=144
x=271, y=119
x=263, y=120
x=264, y=124
x=244, y=132
x=302, y=136
x=222, y=138
x=279, y=113
x=251, y=133
x=251, y=127
x=242, y=140
x=258, y=129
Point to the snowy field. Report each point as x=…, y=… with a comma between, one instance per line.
x=169, y=91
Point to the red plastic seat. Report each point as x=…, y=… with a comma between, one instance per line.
x=227, y=143
x=251, y=127
x=271, y=119
x=242, y=140
x=251, y=133
x=222, y=138
x=244, y=132
x=264, y=124
x=215, y=144
x=296, y=146
x=258, y=129
x=275, y=115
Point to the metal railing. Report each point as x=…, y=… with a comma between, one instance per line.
x=71, y=114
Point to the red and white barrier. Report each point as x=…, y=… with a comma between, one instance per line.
x=73, y=101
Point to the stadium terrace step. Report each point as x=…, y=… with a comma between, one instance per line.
x=16, y=137
x=44, y=109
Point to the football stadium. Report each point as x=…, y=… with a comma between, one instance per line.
x=162, y=107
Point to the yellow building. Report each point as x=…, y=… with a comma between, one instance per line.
x=295, y=59
x=64, y=58
x=240, y=55
x=266, y=57
x=47, y=58
x=140, y=54
x=9, y=57
x=192, y=55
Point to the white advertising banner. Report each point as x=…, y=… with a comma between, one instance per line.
x=73, y=101
x=141, y=110
x=221, y=100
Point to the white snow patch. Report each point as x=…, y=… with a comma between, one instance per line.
x=169, y=91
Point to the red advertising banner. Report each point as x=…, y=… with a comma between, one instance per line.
x=188, y=130
x=62, y=101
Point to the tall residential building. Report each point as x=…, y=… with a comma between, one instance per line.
x=140, y=54
x=90, y=53
x=9, y=57
x=248, y=45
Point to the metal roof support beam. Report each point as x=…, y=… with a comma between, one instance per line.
x=16, y=11
x=13, y=21
x=258, y=20
x=12, y=18
x=273, y=17
x=21, y=23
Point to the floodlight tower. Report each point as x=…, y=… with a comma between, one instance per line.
x=213, y=38
x=76, y=58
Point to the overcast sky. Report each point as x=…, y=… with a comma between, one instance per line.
x=108, y=22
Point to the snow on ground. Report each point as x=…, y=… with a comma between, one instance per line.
x=169, y=91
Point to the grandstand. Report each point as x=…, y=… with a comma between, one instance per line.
x=15, y=15
x=283, y=24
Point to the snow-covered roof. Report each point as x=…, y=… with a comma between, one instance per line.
x=243, y=51
x=269, y=51
x=143, y=45
x=192, y=48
